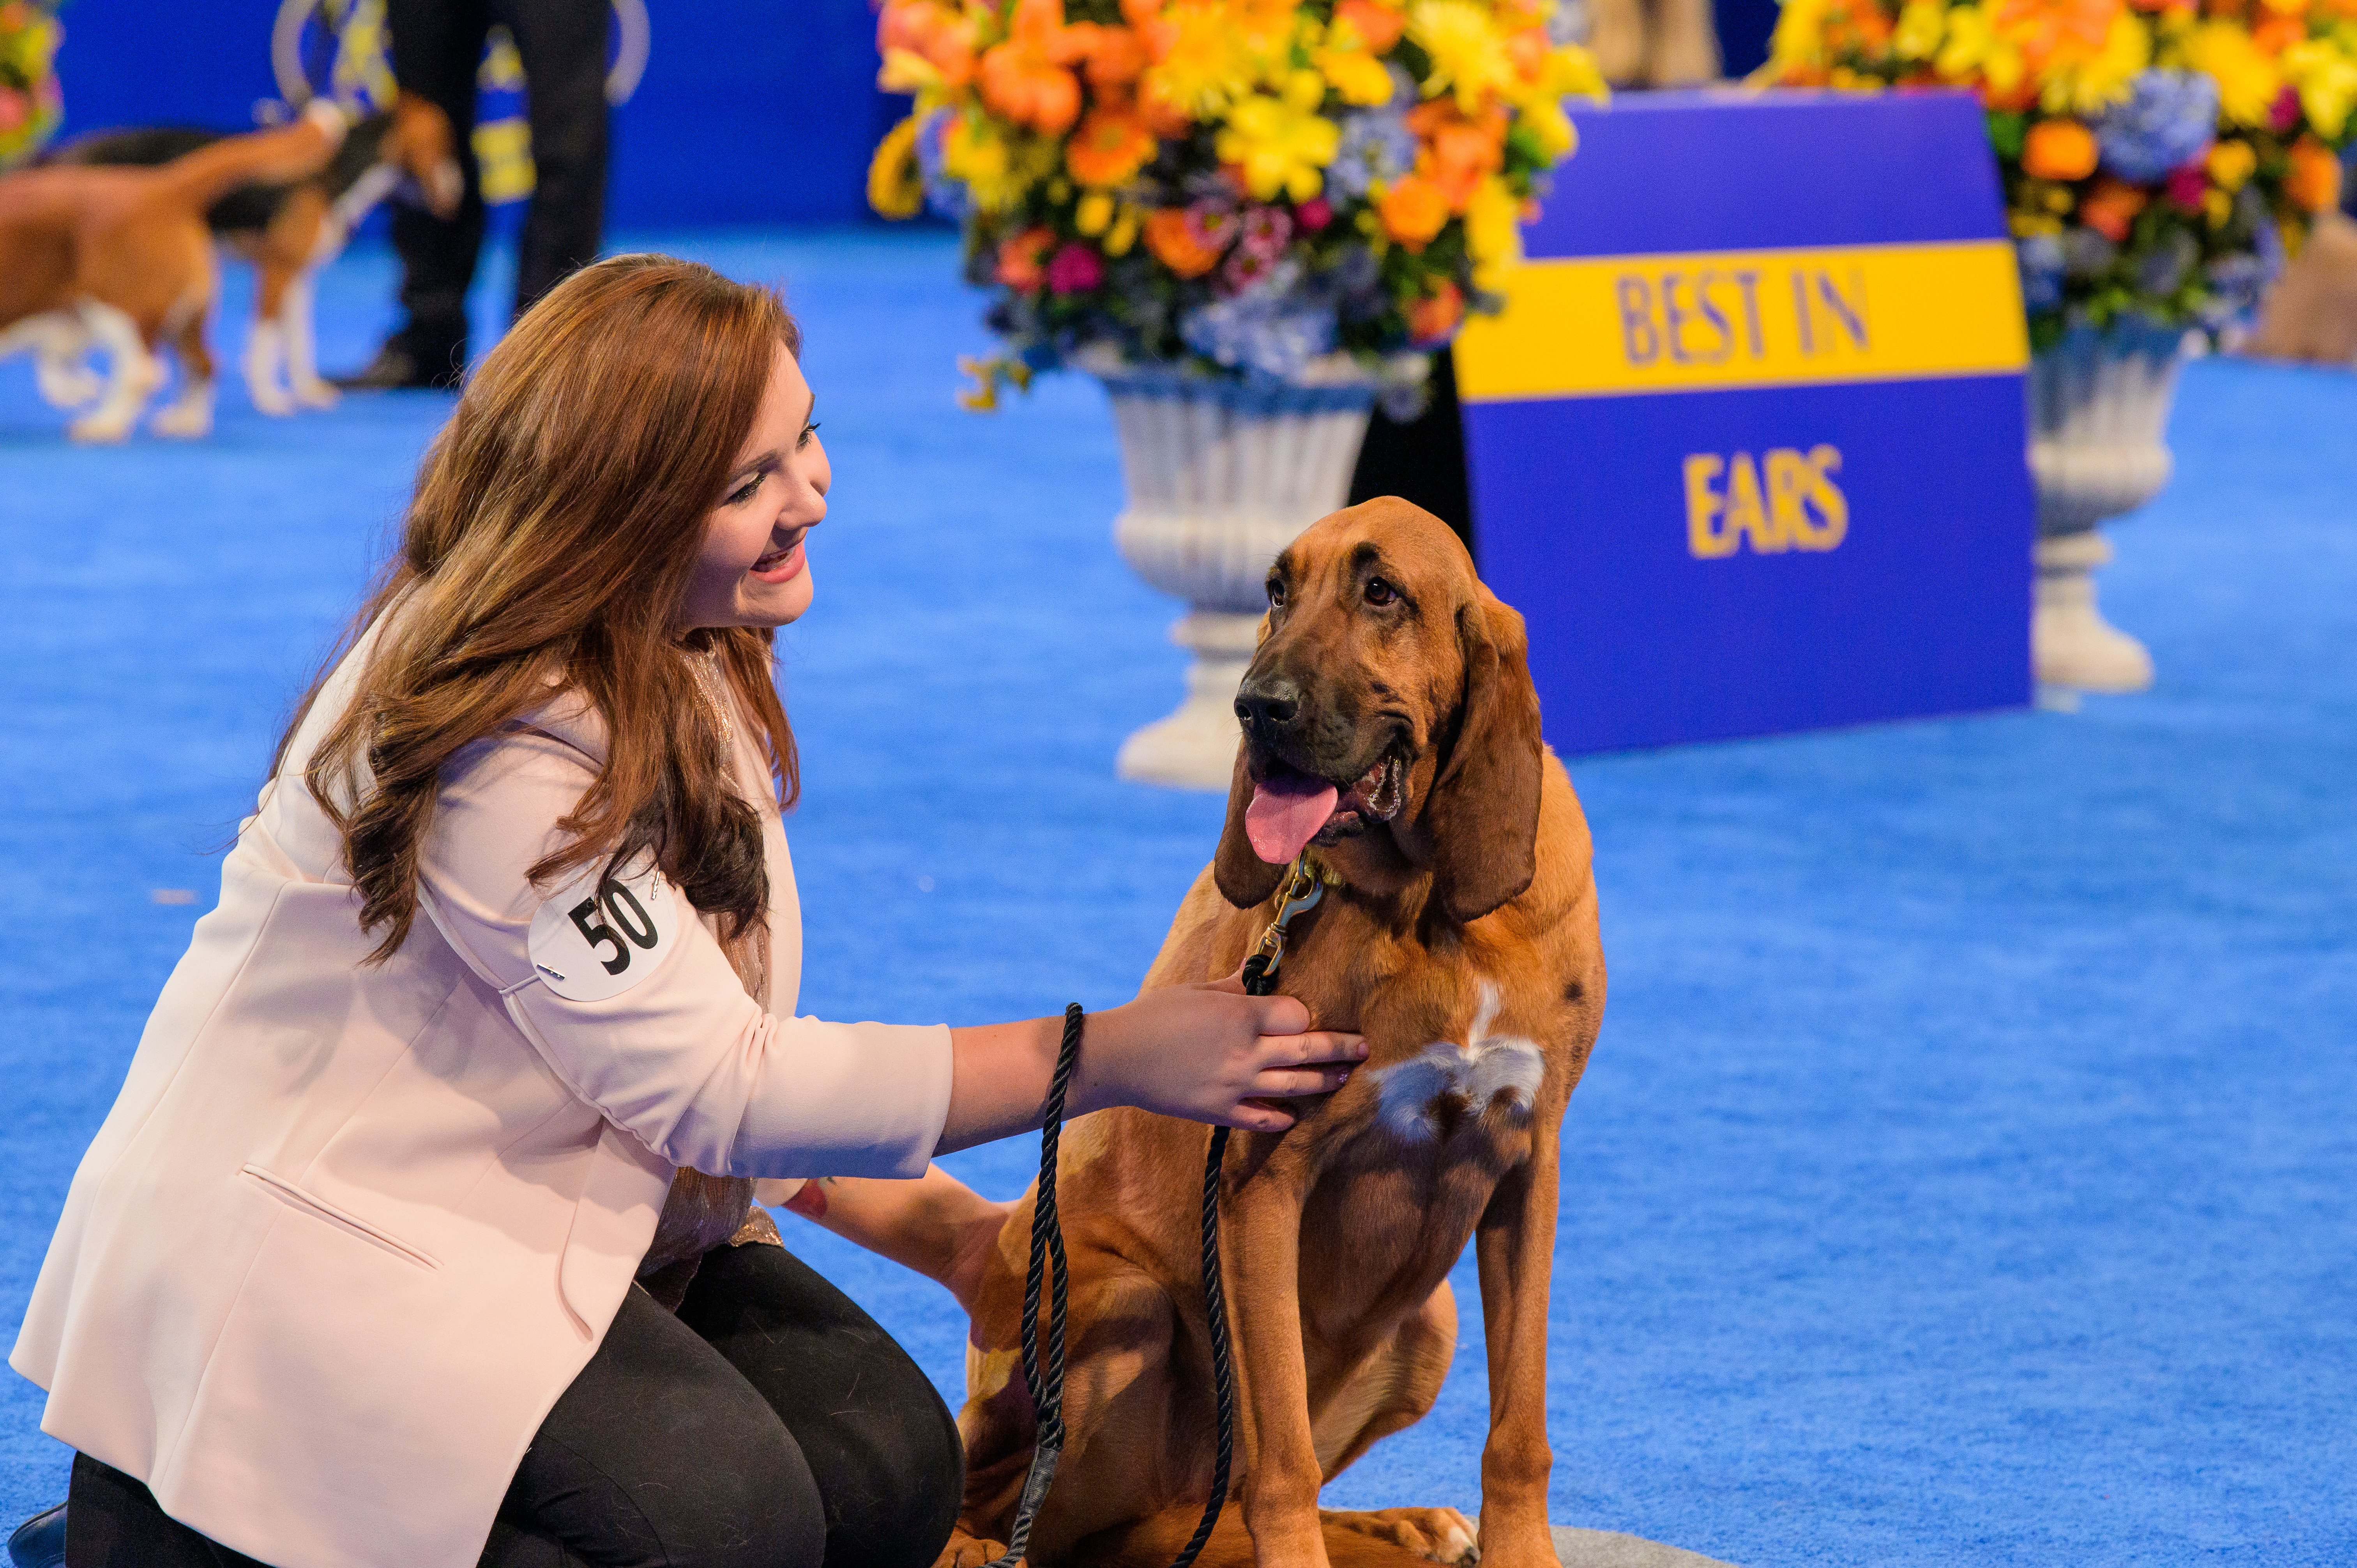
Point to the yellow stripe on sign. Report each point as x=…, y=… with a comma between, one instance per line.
x=1612, y=326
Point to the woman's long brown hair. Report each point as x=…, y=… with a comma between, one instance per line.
x=557, y=520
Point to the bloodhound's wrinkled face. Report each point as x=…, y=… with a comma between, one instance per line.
x=1390, y=694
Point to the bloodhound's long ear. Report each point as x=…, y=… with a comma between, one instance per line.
x=1483, y=810
x=1244, y=878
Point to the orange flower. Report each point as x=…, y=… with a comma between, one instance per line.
x=1172, y=240
x=2111, y=207
x=1110, y=144
x=1025, y=78
x=1857, y=25
x=1436, y=316
x=2058, y=149
x=1113, y=56
x=933, y=33
x=1378, y=26
x=1020, y=263
x=1458, y=151
x=1413, y=210
x=2314, y=180
x=2278, y=32
x=2049, y=31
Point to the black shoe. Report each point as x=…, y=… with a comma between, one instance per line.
x=40, y=1540
x=398, y=368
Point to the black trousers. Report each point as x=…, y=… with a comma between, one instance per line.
x=436, y=46
x=769, y=1423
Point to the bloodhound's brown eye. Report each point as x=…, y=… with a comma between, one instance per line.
x=1380, y=591
x=1276, y=592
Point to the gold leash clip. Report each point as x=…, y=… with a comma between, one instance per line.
x=1303, y=888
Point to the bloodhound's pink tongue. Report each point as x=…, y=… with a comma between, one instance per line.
x=1286, y=813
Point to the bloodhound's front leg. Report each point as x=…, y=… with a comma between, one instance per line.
x=1262, y=1265
x=1515, y=1248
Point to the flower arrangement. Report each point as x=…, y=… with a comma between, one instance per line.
x=2160, y=157
x=1287, y=189
x=29, y=104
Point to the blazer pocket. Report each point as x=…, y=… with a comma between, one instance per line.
x=311, y=1203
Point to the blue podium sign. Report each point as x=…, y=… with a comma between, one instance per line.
x=1747, y=444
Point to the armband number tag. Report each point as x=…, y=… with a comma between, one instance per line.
x=591, y=941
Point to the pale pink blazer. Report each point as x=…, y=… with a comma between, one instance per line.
x=348, y=1231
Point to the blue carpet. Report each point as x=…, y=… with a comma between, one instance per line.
x=1965, y=1175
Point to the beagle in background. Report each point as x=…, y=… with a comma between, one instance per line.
x=120, y=258
x=287, y=231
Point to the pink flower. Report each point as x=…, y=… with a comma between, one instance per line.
x=14, y=111
x=2188, y=184
x=1266, y=230
x=1075, y=269
x=2285, y=114
x=1245, y=268
x=1314, y=214
x=1211, y=225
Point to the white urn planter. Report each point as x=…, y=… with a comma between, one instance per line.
x=1221, y=477
x=2099, y=406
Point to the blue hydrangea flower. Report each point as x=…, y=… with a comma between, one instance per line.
x=1376, y=145
x=1274, y=329
x=945, y=196
x=2237, y=284
x=2041, y=259
x=2167, y=119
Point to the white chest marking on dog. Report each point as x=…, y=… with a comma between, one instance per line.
x=1487, y=1068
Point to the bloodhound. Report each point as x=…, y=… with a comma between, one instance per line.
x=1389, y=730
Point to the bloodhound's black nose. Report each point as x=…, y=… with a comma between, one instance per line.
x=1267, y=703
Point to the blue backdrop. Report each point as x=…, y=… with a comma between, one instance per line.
x=746, y=114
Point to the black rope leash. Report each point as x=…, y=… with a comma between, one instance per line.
x=1047, y=1239
x=1302, y=890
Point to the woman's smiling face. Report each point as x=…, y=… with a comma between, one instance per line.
x=751, y=570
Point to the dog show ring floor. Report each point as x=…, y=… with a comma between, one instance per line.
x=1965, y=1173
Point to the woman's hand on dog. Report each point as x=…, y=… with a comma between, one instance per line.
x=1207, y=1053
x=1210, y=1053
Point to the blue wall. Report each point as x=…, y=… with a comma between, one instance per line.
x=747, y=114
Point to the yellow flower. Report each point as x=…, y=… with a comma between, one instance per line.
x=1972, y=47
x=1282, y=143
x=1094, y=216
x=2025, y=224
x=1468, y=52
x=2248, y=83
x=1124, y=233
x=997, y=173
x=2216, y=208
x=1921, y=25
x=2326, y=80
x=895, y=186
x=1494, y=233
x=1203, y=61
x=2086, y=87
x=1356, y=75
x=2232, y=164
x=1550, y=127
x=906, y=70
x=1799, y=36
x=1538, y=101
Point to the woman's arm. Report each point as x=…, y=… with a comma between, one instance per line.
x=936, y=1225
x=1207, y=1053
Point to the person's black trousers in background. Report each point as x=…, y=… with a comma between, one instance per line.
x=438, y=46
x=770, y=1423
x=1422, y=460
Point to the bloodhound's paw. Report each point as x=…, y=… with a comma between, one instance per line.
x=1442, y=1535
x=965, y=1551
